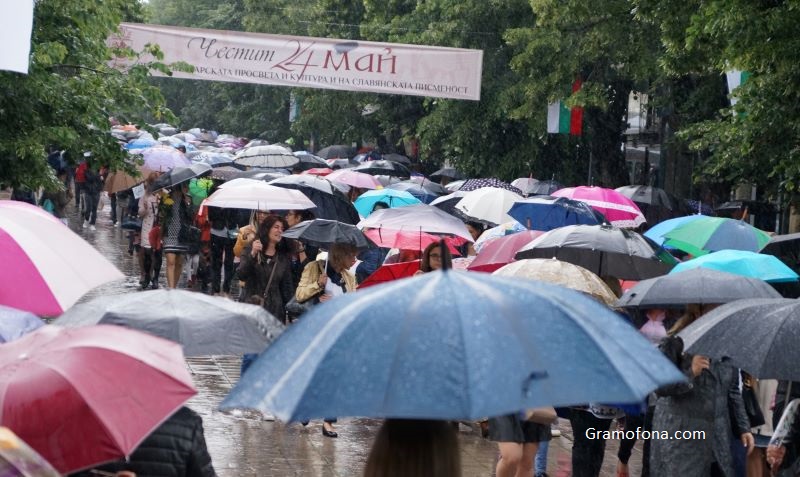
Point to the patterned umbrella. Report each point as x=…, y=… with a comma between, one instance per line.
x=618, y=209
x=474, y=184
x=266, y=156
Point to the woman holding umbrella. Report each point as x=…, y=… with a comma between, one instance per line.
x=175, y=215
x=327, y=280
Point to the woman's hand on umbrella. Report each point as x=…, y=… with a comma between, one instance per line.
x=257, y=247
x=322, y=281
x=775, y=456
x=325, y=297
x=699, y=363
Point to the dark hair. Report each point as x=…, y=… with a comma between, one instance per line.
x=425, y=263
x=420, y=448
x=263, y=233
x=380, y=205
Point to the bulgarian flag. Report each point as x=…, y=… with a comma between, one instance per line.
x=562, y=120
x=736, y=78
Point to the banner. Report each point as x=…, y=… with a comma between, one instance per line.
x=308, y=62
x=15, y=35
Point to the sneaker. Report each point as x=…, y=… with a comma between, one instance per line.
x=555, y=433
x=267, y=417
x=92, y=228
x=154, y=286
x=85, y=223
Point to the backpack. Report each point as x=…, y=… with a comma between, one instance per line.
x=48, y=205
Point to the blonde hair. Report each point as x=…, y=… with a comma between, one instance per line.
x=692, y=313
x=339, y=254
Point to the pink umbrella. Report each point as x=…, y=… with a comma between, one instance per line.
x=46, y=266
x=318, y=171
x=500, y=251
x=164, y=158
x=354, y=179
x=410, y=239
x=618, y=209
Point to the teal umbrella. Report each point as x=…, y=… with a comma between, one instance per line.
x=712, y=234
x=740, y=262
x=392, y=198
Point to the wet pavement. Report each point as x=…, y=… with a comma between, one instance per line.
x=247, y=445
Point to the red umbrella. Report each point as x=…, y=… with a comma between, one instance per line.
x=84, y=396
x=391, y=271
x=410, y=239
x=318, y=171
x=500, y=251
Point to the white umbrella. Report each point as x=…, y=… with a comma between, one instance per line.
x=416, y=218
x=259, y=196
x=488, y=205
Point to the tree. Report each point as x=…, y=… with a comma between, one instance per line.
x=70, y=92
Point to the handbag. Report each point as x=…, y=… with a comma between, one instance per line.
x=541, y=415
x=155, y=237
x=295, y=308
x=751, y=407
x=131, y=223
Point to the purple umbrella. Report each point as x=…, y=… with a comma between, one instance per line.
x=164, y=158
x=14, y=323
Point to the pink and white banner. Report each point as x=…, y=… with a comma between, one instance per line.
x=307, y=62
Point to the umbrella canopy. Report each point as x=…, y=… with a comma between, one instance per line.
x=16, y=323
x=657, y=232
x=179, y=175
x=341, y=163
x=560, y=273
x=525, y=184
x=415, y=218
x=656, y=204
x=331, y=202
x=225, y=173
x=354, y=179
x=393, y=198
x=336, y=152
x=544, y=187
x=385, y=168
x=213, y=159
x=615, y=207
x=759, y=336
x=449, y=172
x=455, y=185
x=318, y=171
x=17, y=459
x=447, y=203
x=487, y=205
x=393, y=156
x=739, y=262
x=451, y=345
x=500, y=251
x=85, y=396
x=786, y=248
x=390, y=272
x=119, y=181
x=429, y=185
x=697, y=207
x=309, y=161
x=410, y=239
x=205, y=325
x=46, y=266
x=259, y=196
x=323, y=233
x=262, y=174
x=711, y=234
x=548, y=213
x=508, y=228
x=424, y=195
x=697, y=285
x=603, y=250
x=164, y=158
x=475, y=184
x=266, y=156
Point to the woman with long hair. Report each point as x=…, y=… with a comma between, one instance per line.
x=415, y=447
x=175, y=215
x=433, y=257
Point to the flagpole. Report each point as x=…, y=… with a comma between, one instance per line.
x=589, y=179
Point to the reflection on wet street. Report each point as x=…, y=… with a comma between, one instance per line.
x=243, y=444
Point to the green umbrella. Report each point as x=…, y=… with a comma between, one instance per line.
x=199, y=189
x=711, y=234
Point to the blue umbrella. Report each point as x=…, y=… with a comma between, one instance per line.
x=451, y=345
x=656, y=233
x=424, y=195
x=14, y=323
x=393, y=198
x=741, y=262
x=548, y=213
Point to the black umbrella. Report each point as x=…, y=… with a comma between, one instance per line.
x=759, y=336
x=336, y=152
x=449, y=172
x=603, y=250
x=473, y=184
x=385, y=168
x=656, y=204
x=393, y=156
x=331, y=202
x=698, y=285
x=545, y=187
x=225, y=173
x=179, y=174
x=447, y=203
x=309, y=161
x=323, y=233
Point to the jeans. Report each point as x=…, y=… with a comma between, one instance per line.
x=113, y=199
x=78, y=194
x=540, y=462
x=91, y=202
x=221, y=259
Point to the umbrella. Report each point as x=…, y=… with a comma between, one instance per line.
x=47, y=266
x=385, y=168
x=548, y=213
x=85, y=396
x=143, y=142
x=447, y=203
x=615, y=207
x=657, y=232
x=525, y=184
x=336, y=152
x=341, y=163
x=318, y=171
x=213, y=159
x=454, y=186
x=786, y=248
x=354, y=179
x=17, y=459
x=164, y=158
x=656, y=204
x=500, y=251
x=16, y=323
x=259, y=196
x=331, y=202
x=414, y=218
x=199, y=189
x=740, y=262
x=119, y=181
x=390, y=272
x=451, y=345
x=392, y=198
x=544, y=187
x=560, y=273
x=393, y=156
x=179, y=175
x=487, y=205
x=309, y=161
x=474, y=184
x=507, y=228
x=759, y=336
x=424, y=195
x=430, y=186
x=449, y=172
x=323, y=233
x=265, y=175
x=711, y=234
x=266, y=156
x=603, y=250
x=410, y=239
x=205, y=325
x=225, y=173
x=698, y=207
x=695, y=285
